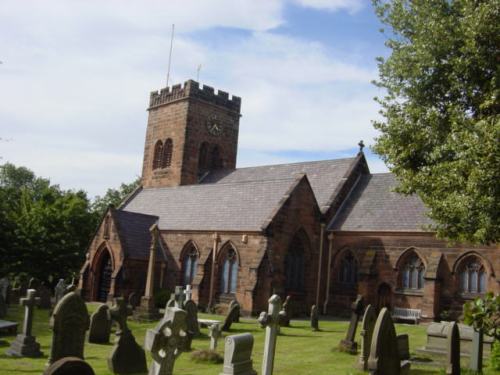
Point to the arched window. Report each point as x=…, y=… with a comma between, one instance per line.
x=294, y=266
x=472, y=276
x=190, y=264
x=412, y=272
x=166, y=160
x=229, y=275
x=216, y=161
x=157, y=156
x=348, y=271
x=203, y=159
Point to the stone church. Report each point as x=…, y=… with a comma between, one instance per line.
x=321, y=231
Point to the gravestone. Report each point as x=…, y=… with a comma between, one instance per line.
x=476, y=356
x=214, y=332
x=314, y=318
x=231, y=304
x=4, y=287
x=69, y=366
x=25, y=344
x=453, y=351
x=180, y=296
x=232, y=315
x=367, y=325
x=270, y=320
x=100, y=325
x=238, y=355
x=192, y=317
x=384, y=356
x=3, y=307
x=165, y=342
x=188, y=292
x=33, y=283
x=285, y=312
x=349, y=344
x=45, y=296
x=59, y=290
x=69, y=322
x=134, y=299
x=171, y=302
x=127, y=356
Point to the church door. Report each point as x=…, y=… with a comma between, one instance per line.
x=104, y=277
x=384, y=296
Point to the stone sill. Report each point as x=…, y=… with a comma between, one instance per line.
x=409, y=292
x=471, y=296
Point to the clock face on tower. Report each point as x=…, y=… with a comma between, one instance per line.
x=214, y=126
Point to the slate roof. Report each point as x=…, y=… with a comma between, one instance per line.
x=224, y=206
x=324, y=176
x=374, y=206
x=133, y=230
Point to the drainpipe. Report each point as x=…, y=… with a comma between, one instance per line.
x=216, y=239
x=328, y=273
x=318, y=285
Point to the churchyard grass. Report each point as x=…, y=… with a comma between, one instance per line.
x=299, y=350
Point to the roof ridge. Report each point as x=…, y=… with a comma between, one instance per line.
x=294, y=163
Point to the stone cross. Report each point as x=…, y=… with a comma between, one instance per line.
x=25, y=344
x=285, y=312
x=349, y=344
x=453, y=350
x=476, y=355
x=270, y=320
x=314, y=318
x=165, y=342
x=367, y=325
x=214, y=332
x=188, y=292
x=180, y=297
x=238, y=355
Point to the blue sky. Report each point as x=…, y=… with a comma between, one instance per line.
x=76, y=77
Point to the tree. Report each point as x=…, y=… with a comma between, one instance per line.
x=114, y=196
x=440, y=133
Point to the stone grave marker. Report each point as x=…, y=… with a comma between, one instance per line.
x=192, y=317
x=238, y=355
x=69, y=322
x=453, y=350
x=69, y=366
x=4, y=287
x=270, y=320
x=127, y=356
x=33, y=283
x=476, y=356
x=285, y=312
x=384, y=356
x=180, y=296
x=134, y=299
x=100, y=325
x=188, y=292
x=367, y=326
x=232, y=315
x=349, y=344
x=170, y=302
x=231, y=304
x=214, y=332
x=314, y=318
x=3, y=307
x=45, y=296
x=166, y=341
x=59, y=290
x=25, y=344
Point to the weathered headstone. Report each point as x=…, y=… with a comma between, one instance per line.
x=285, y=312
x=69, y=366
x=4, y=287
x=134, y=299
x=232, y=315
x=314, y=318
x=127, y=356
x=453, y=350
x=100, y=325
x=238, y=355
x=384, y=356
x=349, y=344
x=231, y=304
x=33, y=283
x=476, y=356
x=367, y=326
x=192, y=317
x=45, y=296
x=25, y=344
x=69, y=322
x=270, y=320
x=188, y=292
x=59, y=290
x=165, y=342
x=3, y=307
x=214, y=332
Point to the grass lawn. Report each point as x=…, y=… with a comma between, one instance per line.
x=299, y=350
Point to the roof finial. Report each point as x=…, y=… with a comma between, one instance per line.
x=361, y=145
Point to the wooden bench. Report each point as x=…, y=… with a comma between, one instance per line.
x=401, y=313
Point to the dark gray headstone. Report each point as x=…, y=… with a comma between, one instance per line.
x=69, y=366
x=231, y=317
x=349, y=344
x=3, y=307
x=231, y=304
x=4, y=287
x=192, y=317
x=314, y=318
x=69, y=322
x=100, y=325
x=367, y=326
x=453, y=350
x=45, y=295
x=134, y=299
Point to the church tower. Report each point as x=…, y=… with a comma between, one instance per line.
x=191, y=131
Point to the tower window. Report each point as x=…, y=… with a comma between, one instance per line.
x=167, y=153
x=472, y=276
x=158, y=154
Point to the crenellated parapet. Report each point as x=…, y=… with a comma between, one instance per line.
x=192, y=89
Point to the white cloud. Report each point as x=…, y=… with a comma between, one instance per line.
x=351, y=6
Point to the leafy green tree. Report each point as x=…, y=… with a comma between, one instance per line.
x=440, y=133
x=114, y=196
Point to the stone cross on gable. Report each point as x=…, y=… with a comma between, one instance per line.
x=270, y=320
x=165, y=342
x=29, y=304
x=120, y=311
x=214, y=331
